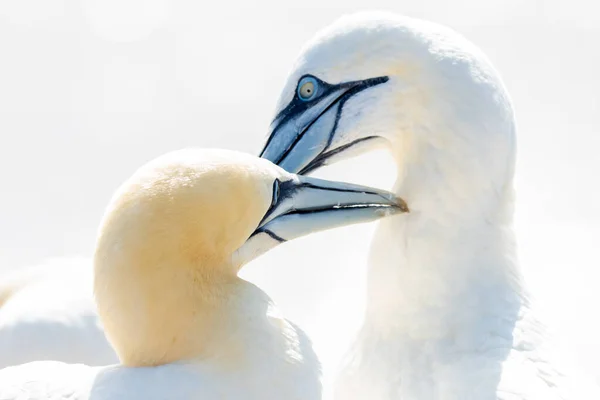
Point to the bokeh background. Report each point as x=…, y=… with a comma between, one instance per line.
x=91, y=89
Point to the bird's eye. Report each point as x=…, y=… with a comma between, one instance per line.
x=307, y=88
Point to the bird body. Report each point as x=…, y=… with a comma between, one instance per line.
x=277, y=360
x=48, y=313
x=448, y=315
x=183, y=324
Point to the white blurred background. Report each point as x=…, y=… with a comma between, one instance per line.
x=91, y=89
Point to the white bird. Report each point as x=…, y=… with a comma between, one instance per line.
x=183, y=324
x=47, y=312
x=448, y=315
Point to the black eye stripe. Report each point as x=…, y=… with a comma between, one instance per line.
x=285, y=189
x=276, y=191
x=298, y=106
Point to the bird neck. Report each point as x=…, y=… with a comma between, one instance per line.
x=155, y=314
x=445, y=301
x=447, y=271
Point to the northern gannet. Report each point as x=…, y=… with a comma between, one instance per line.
x=448, y=315
x=183, y=324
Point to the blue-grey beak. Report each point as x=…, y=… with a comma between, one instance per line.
x=302, y=133
x=303, y=205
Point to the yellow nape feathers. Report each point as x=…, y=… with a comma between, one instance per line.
x=163, y=260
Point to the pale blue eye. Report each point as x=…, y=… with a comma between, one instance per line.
x=308, y=87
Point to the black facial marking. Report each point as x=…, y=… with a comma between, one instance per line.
x=297, y=106
x=271, y=234
x=276, y=192
x=286, y=189
x=320, y=160
x=316, y=210
x=331, y=189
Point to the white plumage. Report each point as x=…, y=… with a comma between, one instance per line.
x=448, y=315
x=47, y=312
x=183, y=324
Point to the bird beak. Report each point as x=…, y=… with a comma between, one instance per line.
x=301, y=134
x=303, y=205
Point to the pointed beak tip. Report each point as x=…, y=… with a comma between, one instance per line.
x=401, y=205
